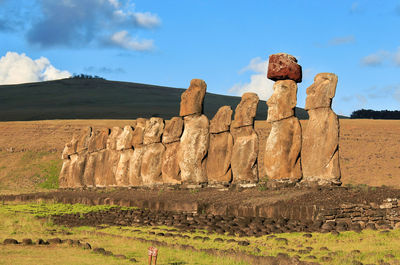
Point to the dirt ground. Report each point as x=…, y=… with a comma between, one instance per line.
x=368, y=148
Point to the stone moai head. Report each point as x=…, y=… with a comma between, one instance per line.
x=283, y=101
x=192, y=98
x=246, y=110
x=321, y=92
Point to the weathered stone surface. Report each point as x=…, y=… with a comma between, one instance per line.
x=76, y=170
x=222, y=120
x=70, y=148
x=192, y=98
x=106, y=166
x=246, y=110
x=83, y=140
x=320, y=150
x=321, y=92
x=283, y=66
x=173, y=130
x=98, y=140
x=113, y=137
x=63, y=177
x=151, y=164
x=123, y=168
x=138, y=132
x=244, y=155
x=282, y=151
x=88, y=174
x=170, y=166
x=153, y=131
x=193, y=149
x=283, y=101
x=124, y=140
x=134, y=176
x=219, y=158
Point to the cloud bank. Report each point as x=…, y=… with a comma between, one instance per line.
x=18, y=68
x=259, y=83
x=84, y=23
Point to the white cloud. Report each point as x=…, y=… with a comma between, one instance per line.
x=123, y=40
x=147, y=19
x=259, y=83
x=375, y=59
x=18, y=68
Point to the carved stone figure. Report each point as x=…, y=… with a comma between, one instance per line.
x=320, y=150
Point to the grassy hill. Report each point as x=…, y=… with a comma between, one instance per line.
x=103, y=99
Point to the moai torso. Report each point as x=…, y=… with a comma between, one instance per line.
x=320, y=152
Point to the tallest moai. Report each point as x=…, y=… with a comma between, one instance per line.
x=282, y=150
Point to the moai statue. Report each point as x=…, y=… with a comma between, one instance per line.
x=220, y=149
x=245, y=141
x=171, y=140
x=150, y=169
x=107, y=160
x=194, y=141
x=320, y=150
x=96, y=146
x=283, y=146
x=125, y=150
x=135, y=163
x=75, y=156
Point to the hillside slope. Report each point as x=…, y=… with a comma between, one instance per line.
x=103, y=99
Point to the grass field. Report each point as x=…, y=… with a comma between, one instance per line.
x=20, y=221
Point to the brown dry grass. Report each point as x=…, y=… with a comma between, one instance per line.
x=368, y=148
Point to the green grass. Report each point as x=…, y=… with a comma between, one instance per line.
x=18, y=221
x=19, y=225
x=48, y=209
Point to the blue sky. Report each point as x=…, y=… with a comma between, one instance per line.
x=226, y=43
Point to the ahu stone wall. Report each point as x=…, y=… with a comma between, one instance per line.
x=193, y=150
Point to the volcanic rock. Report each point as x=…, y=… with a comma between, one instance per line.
x=83, y=140
x=193, y=149
x=192, y=98
x=246, y=110
x=123, y=167
x=88, y=174
x=76, y=170
x=70, y=148
x=283, y=101
x=321, y=92
x=106, y=167
x=282, y=151
x=219, y=158
x=113, y=137
x=283, y=66
x=173, y=130
x=153, y=131
x=150, y=170
x=244, y=155
x=138, y=132
x=134, y=176
x=320, y=150
x=98, y=140
x=124, y=140
x=222, y=120
x=170, y=166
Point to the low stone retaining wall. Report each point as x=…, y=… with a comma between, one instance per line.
x=307, y=218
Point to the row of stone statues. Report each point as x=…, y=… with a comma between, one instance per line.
x=190, y=149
